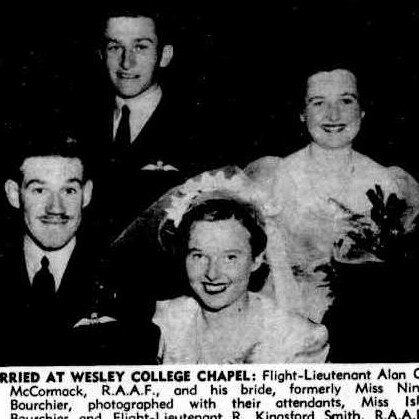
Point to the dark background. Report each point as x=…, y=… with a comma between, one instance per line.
x=240, y=61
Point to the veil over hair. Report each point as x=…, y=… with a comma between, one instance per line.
x=161, y=219
x=157, y=226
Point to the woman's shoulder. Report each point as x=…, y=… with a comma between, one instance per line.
x=176, y=319
x=405, y=181
x=295, y=326
x=408, y=190
x=367, y=166
x=263, y=168
x=307, y=341
x=366, y=163
x=369, y=173
x=301, y=340
x=174, y=311
x=395, y=178
x=269, y=166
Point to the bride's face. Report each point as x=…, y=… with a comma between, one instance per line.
x=332, y=111
x=219, y=262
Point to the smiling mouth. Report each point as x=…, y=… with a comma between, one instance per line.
x=211, y=288
x=54, y=220
x=333, y=128
x=125, y=76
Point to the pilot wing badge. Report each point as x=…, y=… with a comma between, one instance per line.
x=160, y=166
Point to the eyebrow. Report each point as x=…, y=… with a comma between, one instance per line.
x=316, y=97
x=75, y=180
x=136, y=39
x=195, y=249
x=354, y=95
x=32, y=181
x=42, y=182
x=312, y=98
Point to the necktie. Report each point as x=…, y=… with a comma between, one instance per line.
x=43, y=286
x=123, y=133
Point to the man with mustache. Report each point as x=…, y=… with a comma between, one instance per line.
x=59, y=308
x=46, y=284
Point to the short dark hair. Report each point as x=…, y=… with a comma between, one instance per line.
x=149, y=9
x=225, y=209
x=327, y=64
x=174, y=240
x=47, y=144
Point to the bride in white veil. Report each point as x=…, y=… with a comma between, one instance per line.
x=158, y=223
x=250, y=326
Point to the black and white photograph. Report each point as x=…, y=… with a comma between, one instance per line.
x=215, y=183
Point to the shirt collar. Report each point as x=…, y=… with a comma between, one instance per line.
x=58, y=259
x=146, y=100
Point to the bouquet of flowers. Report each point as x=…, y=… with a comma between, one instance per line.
x=377, y=237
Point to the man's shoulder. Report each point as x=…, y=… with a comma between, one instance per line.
x=177, y=114
x=13, y=275
x=10, y=252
